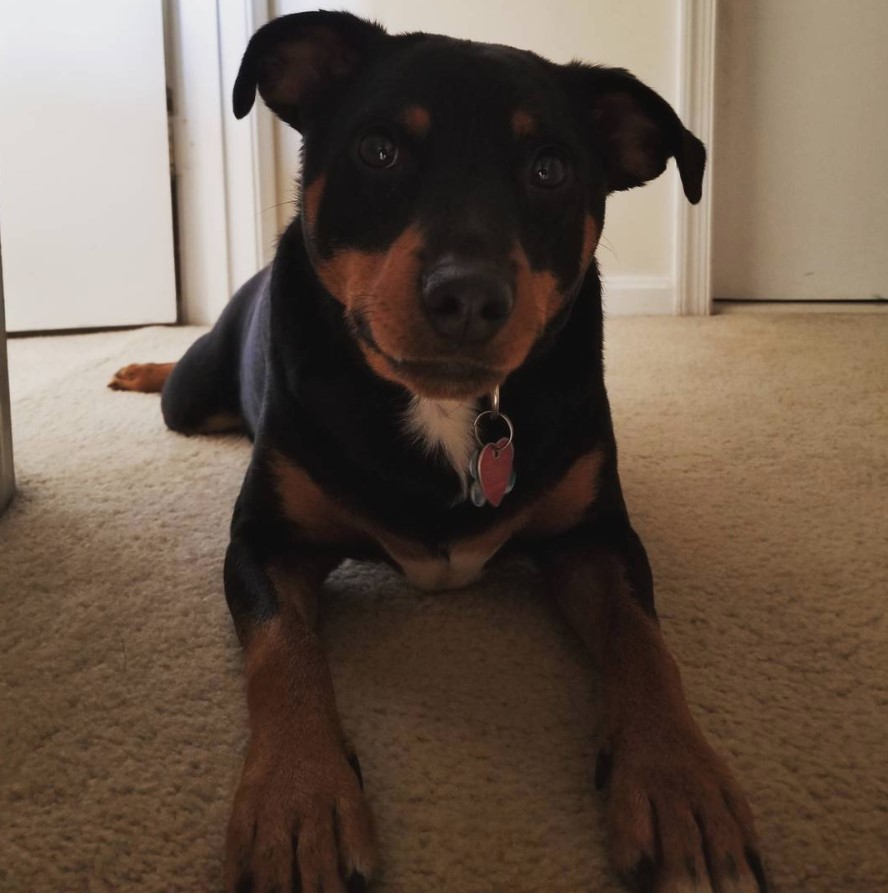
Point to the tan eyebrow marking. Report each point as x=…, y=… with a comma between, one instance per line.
x=417, y=120
x=523, y=123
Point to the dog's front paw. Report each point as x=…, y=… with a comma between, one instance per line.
x=677, y=821
x=299, y=823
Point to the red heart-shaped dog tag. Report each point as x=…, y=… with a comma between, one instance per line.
x=495, y=469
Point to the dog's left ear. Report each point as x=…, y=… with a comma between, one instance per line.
x=635, y=128
x=297, y=60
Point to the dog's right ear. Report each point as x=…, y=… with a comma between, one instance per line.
x=295, y=59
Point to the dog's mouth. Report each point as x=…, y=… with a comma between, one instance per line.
x=438, y=377
x=446, y=379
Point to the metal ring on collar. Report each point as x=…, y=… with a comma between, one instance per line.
x=495, y=402
x=495, y=416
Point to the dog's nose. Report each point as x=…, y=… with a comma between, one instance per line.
x=467, y=303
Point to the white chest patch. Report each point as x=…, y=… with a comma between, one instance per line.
x=443, y=428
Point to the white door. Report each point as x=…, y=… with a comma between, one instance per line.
x=801, y=146
x=85, y=201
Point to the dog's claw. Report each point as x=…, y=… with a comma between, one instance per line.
x=644, y=876
x=357, y=883
x=353, y=761
x=245, y=884
x=755, y=866
x=603, y=767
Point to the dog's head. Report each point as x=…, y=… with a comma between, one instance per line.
x=453, y=192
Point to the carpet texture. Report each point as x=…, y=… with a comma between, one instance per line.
x=753, y=454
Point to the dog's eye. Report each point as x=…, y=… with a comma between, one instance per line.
x=378, y=150
x=549, y=169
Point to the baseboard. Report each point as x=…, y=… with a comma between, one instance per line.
x=639, y=295
x=731, y=306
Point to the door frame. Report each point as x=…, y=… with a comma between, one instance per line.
x=223, y=168
x=696, y=90
x=7, y=472
x=226, y=175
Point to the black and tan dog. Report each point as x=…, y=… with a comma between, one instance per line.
x=442, y=269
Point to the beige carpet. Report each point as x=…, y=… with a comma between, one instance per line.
x=754, y=459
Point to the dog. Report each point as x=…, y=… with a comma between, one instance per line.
x=420, y=370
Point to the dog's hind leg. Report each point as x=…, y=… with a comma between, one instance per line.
x=191, y=402
x=201, y=393
x=198, y=393
x=200, y=396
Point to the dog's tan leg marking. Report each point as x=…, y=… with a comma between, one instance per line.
x=147, y=378
x=318, y=517
x=299, y=810
x=220, y=423
x=562, y=506
x=677, y=821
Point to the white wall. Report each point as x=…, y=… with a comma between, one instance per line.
x=801, y=154
x=637, y=251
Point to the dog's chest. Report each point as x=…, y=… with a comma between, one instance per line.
x=324, y=519
x=445, y=431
